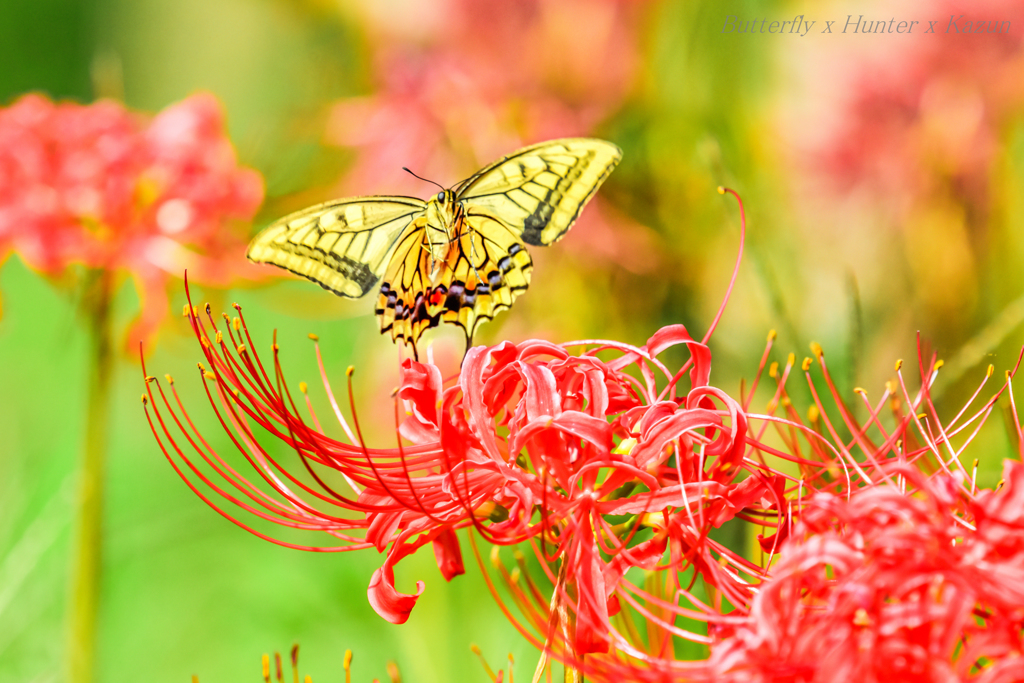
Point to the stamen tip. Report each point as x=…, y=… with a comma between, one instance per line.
x=772, y=334
x=817, y=350
x=303, y=387
x=806, y=365
x=349, y=370
x=314, y=337
x=899, y=364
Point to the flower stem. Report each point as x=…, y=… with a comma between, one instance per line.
x=85, y=573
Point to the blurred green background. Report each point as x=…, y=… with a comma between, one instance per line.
x=883, y=186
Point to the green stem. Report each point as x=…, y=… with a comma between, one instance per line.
x=85, y=578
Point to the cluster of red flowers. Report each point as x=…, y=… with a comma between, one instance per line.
x=108, y=188
x=612, y=467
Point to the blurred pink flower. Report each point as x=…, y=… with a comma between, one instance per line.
x=924, y=116
x=458, y=84
x=111, y=189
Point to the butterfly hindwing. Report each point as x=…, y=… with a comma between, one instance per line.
x=486, y=269
x=344, y=245
x=539, y=191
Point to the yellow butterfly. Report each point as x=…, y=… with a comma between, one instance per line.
x=458, y=257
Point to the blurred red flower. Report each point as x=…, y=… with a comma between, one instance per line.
x=111, y=189
x=892, y=585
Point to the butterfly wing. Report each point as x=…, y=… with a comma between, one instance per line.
x=486, y=268
x=343, y=245
x=539, y=191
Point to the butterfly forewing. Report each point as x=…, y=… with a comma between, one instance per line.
x=343, y=246
x=539, y=191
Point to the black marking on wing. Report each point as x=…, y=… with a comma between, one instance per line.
x=536, y=222
x=353, y=270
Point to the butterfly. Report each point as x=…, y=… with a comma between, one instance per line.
x=459, y=257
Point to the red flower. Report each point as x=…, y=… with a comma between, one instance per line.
x=890, y=586
x=108, y=188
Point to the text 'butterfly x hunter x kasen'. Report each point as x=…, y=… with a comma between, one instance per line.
x=458, y=257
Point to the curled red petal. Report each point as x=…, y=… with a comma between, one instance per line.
x=448, y=554
x=384, y=598
x=421, y=387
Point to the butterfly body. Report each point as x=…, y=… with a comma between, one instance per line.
x=458, y=257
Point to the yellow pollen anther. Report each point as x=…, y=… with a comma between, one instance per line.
x=1008, y=375
x=772, y=334
x=195, y=311
x=349, y=370
x=513, y=576
x=150, y=378
x=860, y=390
x=495, y=558
x=991, y=369
x=201, y=367
x=209, y=310
x=791, y=360
x=773, y=370
x=899, y=364
x=204, y=342
x=786, y=402
x=209, y=375
x=241, y=349
x=184, y=311
x=939, y=363
x=275, y=348
x=145, y=399
x=219, y=338
x=170, y=380
x=817, y=350
x=266, y=668
x=922, y=416
x=302, y=387
x=236, y=306
x=891, y=386
x=721, y=190
x=236, y=323
x=806, y=365
x=813, y=414
x=314, y=337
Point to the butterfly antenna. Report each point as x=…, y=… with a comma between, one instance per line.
x=422, y=178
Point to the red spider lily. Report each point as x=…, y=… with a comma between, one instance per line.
x=111, y=189
x=805, y=622
x=892, y=586
x=530, y=442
